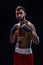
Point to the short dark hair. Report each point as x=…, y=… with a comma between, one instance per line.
x=20, y=7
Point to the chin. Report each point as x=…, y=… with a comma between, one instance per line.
x=19, y=19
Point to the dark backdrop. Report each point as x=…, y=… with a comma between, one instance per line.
x=7, y=20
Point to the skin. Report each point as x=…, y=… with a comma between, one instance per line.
x=23, y=38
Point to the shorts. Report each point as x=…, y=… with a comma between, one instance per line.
x=23, y=59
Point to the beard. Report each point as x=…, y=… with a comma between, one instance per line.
x=21, y=19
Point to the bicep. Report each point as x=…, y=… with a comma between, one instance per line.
x=33, y=28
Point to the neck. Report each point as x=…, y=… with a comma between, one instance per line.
x=22, y=22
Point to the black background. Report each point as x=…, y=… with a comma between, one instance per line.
x=34, y=11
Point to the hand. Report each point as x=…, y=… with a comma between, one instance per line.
x=26, y=28
x=14, y=28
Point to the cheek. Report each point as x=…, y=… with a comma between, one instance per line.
x=23, y=15
x=16, y=16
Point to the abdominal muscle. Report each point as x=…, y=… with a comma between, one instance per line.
x=24, y=40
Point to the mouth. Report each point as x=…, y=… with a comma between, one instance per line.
x=19, y=18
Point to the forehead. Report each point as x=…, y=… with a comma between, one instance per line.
x=18, y=11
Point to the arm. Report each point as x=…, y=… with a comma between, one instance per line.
x=13, y=34
x=31, y=31
x=34, y=35
x=12, y=37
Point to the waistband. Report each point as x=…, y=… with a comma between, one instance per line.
x=23, y=51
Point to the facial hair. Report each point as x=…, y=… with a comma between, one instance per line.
x=21, y=19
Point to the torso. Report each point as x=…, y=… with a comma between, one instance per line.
x=23, y=38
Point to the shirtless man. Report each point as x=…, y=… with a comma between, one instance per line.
x=23, y=33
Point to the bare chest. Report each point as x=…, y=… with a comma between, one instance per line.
x=23, y=39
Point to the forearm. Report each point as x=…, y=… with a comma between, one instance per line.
x=12, y=38
x=31, y=31
x=35, y=37
x=13, y=34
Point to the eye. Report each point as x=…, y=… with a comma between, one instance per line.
x=20, y=12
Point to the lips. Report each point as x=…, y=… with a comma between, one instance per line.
x=19, y=17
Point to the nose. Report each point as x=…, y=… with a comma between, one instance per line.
x=19, y=15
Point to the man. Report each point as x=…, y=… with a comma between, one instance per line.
x=23, y=33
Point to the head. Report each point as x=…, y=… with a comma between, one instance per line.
x=20, y=13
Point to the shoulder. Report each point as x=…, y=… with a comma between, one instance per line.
x=12, y=29
x=31, y=25
x=15, y=25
